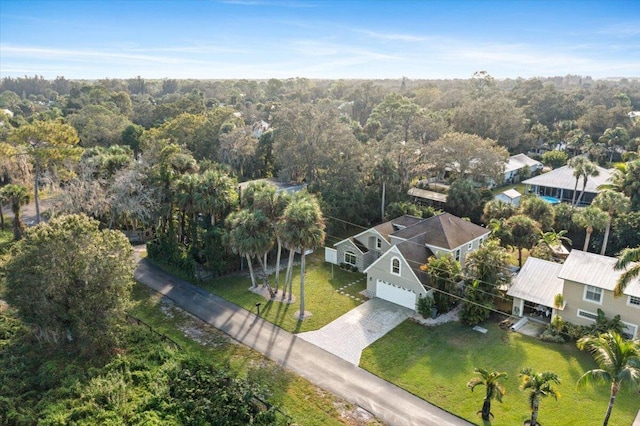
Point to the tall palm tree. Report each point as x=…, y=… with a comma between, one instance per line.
x=625, y=258
x=591, y=218
x=493, y=388
x=577, y=164
x=523, y=232
x=302, y=229
x=618, y=361
x=614, y=139
x=264, y=196
x=17, y=196
x=625, y=179
x=539, y=385
x=589, y=169
x=385, y=171
x=186, y=190
x=216, y=194
x=613, y=203
x=250, y=236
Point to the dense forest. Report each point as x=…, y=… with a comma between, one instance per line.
x=345, y=139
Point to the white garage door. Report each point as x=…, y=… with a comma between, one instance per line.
x=398, y=295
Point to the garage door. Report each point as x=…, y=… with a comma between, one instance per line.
x=398, y=295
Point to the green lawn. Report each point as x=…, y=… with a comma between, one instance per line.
x=436, y=363
x=328, y=295
x=305, y=403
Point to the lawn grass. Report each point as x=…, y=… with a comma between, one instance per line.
x=435, y=363
x=305, y=403
x=329, y=293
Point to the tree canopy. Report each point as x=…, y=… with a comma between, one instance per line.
x=71, y=281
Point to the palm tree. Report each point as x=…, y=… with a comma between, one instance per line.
x=302, y=229
x=539, y=385
x=615, y=139
x=577, y=164
x=250, y=236
x=613, y=203
x=590, y=218
x=625, y=179
x=551, y=243
x=493, y=388
x=264, y=196
x=385, y=171
x=626, y=257
x=588, y=170
x=618, y=361
x=186, y=190
x=554, y=239
x=216, y=194
x=17, y=196
x=523, y=232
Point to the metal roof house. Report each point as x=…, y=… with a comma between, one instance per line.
x=585, y=281
x=560, y=183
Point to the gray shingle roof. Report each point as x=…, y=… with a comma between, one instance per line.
x=445, y=231
x=563, y=178
x=388, y=228
x=416, y=254
x=537, y=282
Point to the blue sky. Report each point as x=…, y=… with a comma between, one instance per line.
x=318, y=39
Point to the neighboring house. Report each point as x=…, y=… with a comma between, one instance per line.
x=586, y=282
x=510, y=196
x=391, y=253
x=559, y=183
x=425, y=197
x=281, y=185
x=517, y=164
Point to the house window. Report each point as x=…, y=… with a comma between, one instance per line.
x=470, y=246
x=588, y=315
x=593, y=294
x=350, y=258
x=395, y=266
x=458, y=255
x=378, y=243
x=634, y=301
x=629, y=330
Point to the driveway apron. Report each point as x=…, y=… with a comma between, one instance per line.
x=347, y=336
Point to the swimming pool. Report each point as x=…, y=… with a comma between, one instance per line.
x=550, y=200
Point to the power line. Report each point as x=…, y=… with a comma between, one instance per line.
x=493, y=295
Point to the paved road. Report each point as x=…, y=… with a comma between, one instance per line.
x=389, y=403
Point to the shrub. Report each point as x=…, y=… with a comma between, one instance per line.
x=425, y=306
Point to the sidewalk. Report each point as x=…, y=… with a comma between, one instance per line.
x=387, y=402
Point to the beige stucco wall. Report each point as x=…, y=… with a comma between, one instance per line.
x=611, y=306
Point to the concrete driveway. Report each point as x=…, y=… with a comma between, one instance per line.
x=348, y=335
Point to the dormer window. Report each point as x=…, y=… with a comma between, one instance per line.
x=395, y=266
x=378, y=244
